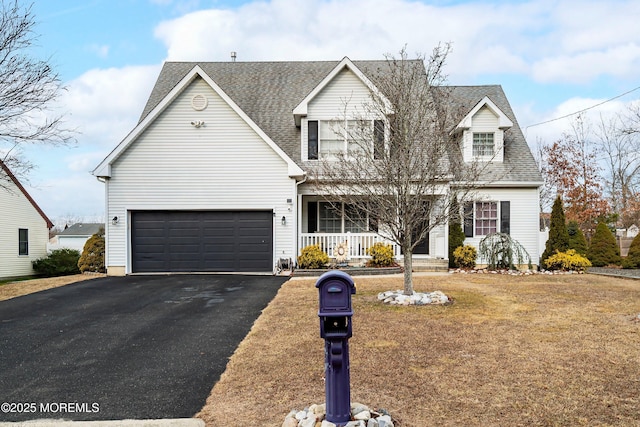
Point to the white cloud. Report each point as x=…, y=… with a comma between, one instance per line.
x=573, y=41
x=105, y=104
x=102, y=51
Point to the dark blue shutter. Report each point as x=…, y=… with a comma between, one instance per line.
x=378, y=139
x=312, y=212
x=505, y=217
x=312, y=139
x=468, y=219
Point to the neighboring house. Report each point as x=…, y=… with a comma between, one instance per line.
x=75, y=237
x=24, y=228
x=213, y=177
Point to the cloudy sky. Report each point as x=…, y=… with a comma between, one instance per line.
x=552, y=58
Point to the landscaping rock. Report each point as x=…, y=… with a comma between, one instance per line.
x=361, y=416
x=418, y=298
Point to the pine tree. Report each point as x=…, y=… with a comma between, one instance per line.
x=604, y=249
x=558, y=236
x=633, y=258
x=577, y=240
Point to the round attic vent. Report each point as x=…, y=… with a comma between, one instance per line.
x=199, y=102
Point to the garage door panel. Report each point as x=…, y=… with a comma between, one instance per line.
x=184, y=241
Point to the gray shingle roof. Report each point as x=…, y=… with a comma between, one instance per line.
x=269, y=91
x=82, y=229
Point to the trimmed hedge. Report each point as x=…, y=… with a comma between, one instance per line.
x=60, y=262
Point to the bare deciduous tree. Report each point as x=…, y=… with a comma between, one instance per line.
x=28, y=89
x=402, y=166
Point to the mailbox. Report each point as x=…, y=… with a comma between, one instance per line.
x=335, y=312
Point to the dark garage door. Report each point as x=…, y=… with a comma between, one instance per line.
x=194, y=241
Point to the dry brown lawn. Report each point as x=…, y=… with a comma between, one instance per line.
x=510, y=351
x=24, y=287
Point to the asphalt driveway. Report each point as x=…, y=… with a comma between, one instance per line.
x=137, y=347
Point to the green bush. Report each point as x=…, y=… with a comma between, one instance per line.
x=604, y=249
x=312, y=256
x=60, y=262
x=567, y=261
x=465, y=256
x=500, y=250
x=381, y=255
x=558, y=240
x=92, y=258
x=633, y=258
x=576, y=238
x=456, y=240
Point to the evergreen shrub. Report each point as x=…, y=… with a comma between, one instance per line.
x=633, y=258
x=558, y=240
x=456, y=240
x=92, y=258
x=465, y=256
x=577, y=240
x=567, y=261
x=312, y=256
x=381, y=255
x=603, y=249
x=60, y=262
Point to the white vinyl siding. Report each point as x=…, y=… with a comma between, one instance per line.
x=222, y=165
x=484, y=122
x=524, y=217
x=17, y=212
x=341, y=99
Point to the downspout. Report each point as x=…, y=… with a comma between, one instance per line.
x=297, y=230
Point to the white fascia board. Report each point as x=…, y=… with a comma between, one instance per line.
x=301, y=109
x=503, y=121
x=104, y=168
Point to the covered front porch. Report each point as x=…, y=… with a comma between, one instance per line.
x=346, y=234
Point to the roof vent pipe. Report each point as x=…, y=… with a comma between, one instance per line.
x=233, y=56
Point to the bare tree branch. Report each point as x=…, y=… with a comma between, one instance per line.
x=28, y=89
x=403, y=163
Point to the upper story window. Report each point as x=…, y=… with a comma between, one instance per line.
x=483, y=144
x=23, y=241
x=326, y=139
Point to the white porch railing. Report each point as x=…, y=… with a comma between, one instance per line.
x=358, y=243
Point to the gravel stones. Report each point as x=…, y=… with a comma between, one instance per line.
x=361, y=416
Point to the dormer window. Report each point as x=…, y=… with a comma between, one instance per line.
x=483, y=144
x=482, y=131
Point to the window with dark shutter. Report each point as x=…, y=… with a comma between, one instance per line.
x=468, y=219
x=378, y=139
x=312, y=140
x=505, y=217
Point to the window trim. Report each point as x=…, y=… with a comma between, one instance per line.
x=322, y=129
x=23, y=242
x=480, y=150
x=345, y=222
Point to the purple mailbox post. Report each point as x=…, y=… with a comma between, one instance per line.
x=335, y=288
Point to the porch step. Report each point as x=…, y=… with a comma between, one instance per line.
x=430, y=264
